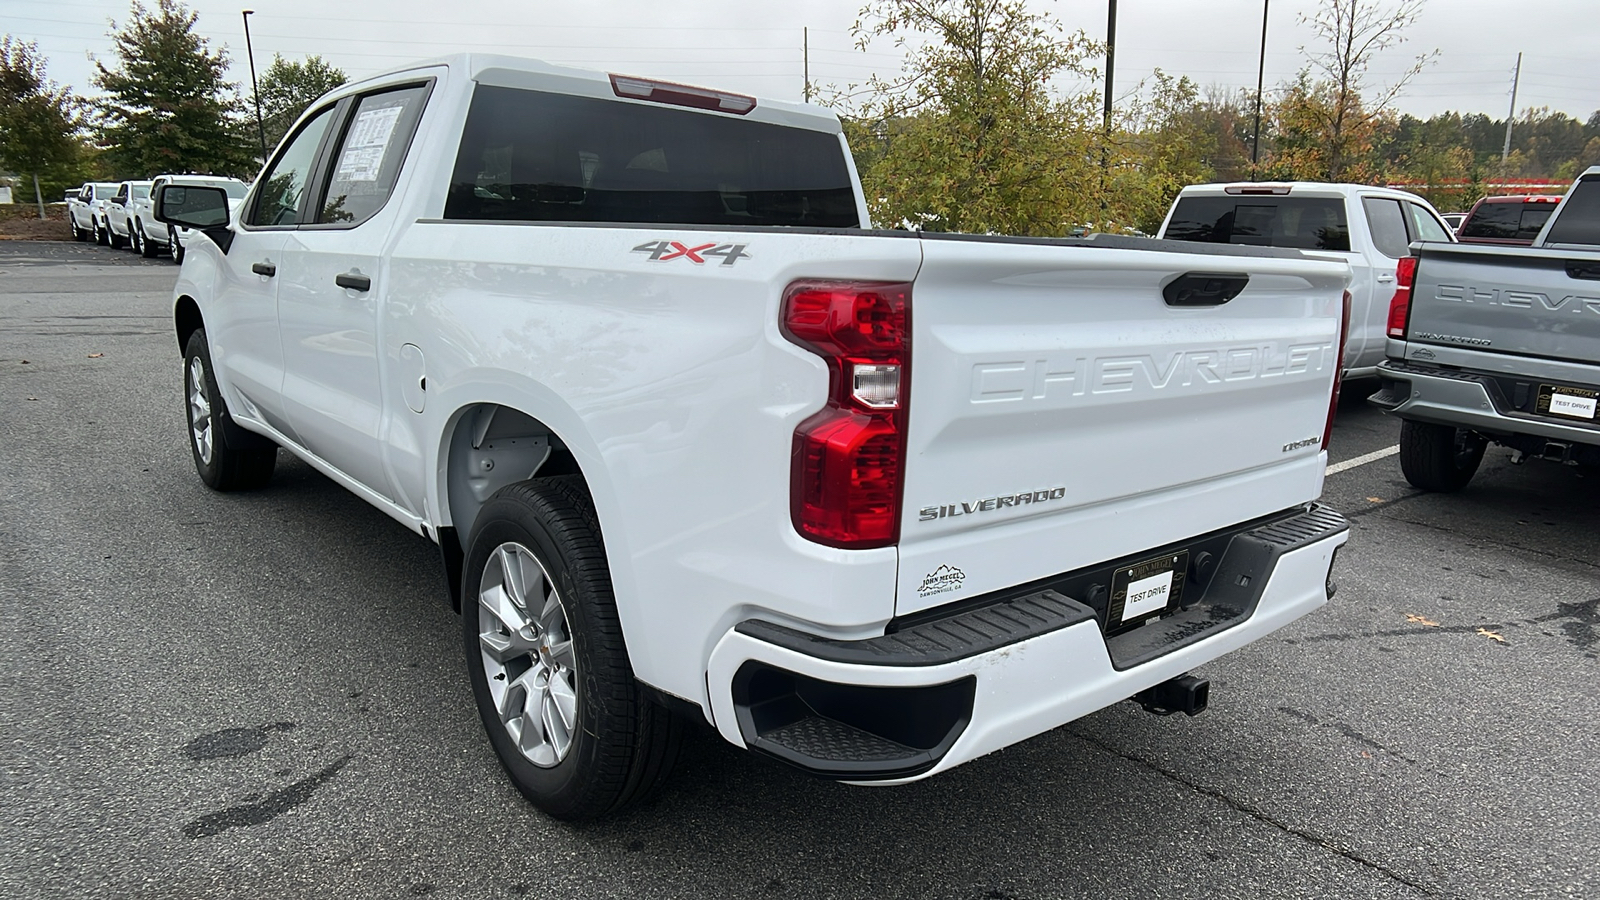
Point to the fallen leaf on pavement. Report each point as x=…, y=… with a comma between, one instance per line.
x=96, y=355
x=1491, y=635
x=1374, y=499
x=24, y=362
x=1421, y=620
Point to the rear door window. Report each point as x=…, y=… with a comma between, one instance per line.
x=1579, y=222
x=1534, y=215
x=1304, y=223
x=370, y=153
x=533, y=156
x=1388, y=226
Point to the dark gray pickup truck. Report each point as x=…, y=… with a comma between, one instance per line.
x=1498, y=344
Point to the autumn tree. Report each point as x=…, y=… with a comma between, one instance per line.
x=38, y=118
x=169, y=106
x=970, y=136
x=1334, y=101
x=287, y=88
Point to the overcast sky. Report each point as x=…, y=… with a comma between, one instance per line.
x=756, y=47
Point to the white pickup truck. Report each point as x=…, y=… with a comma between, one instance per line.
x=151, y=236
x=1371, y=228
x=697, y=443
x=85, y=211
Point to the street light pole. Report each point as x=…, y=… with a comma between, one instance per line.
x=1111, y=67
x=1261, y=75
x=255, y=91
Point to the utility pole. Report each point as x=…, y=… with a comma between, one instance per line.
x=805, y=53
x=255, y=91
x=1512, y=115
x=1261, y=76
x=1111, y=68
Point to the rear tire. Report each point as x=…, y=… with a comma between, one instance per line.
x=545, y=654
x=146, y=249
x=101, y=234
x=77, y=233
x=226, y=457
x=177, y=250
x=112, y=238
x=1439, y=457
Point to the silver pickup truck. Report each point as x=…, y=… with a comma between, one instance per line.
x=1498, y=344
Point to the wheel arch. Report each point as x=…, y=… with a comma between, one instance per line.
x=484, y=447
x=186, y=319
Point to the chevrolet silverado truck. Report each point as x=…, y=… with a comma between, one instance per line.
x=84, y=210
x=1371, y=228
x=696, y=443
x=1498, y=344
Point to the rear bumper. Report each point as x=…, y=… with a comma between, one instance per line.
x=1496, y=405
x=947, y=690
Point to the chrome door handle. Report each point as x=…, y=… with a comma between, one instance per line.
x=264, y=268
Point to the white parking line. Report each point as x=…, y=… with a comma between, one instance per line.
x=1363, y=459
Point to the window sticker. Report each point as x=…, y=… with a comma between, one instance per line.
x=368, y=141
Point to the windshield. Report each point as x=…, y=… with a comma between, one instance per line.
x=1303, y=223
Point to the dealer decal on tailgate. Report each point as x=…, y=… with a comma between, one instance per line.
x=667, y=251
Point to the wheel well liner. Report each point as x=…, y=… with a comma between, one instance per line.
x=187, y=319
x=488, y=447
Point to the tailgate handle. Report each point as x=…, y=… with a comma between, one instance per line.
x=1588, y=271
x=1204, y=288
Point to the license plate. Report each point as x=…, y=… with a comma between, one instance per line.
x=1568, y=402
x=1147, y=589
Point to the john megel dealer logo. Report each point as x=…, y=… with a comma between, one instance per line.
x=942, y=580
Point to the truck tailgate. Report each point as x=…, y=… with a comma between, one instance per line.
x=1063, y=414
x=1520, y=300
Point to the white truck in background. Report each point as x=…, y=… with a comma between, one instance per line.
x=694, y=441
x=151, y=236
x=1371, y=228
x=85, y=210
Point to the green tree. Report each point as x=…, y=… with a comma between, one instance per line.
x=38, y=119
x=970, y=137
x=168, y=106
x=1333, y=102
x=287, y=88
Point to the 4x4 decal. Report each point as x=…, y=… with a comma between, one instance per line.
x=665, y=251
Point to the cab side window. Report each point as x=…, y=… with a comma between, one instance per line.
x=1424, y=225
x=370, y=154
x=283, y=187
x=1388, y=227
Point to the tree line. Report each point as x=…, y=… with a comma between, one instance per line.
x=166, y=106
x=971, y=134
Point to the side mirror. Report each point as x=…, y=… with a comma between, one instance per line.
x=190, y=206
x=120, y=201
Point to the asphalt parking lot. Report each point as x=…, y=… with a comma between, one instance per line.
x=262, y=695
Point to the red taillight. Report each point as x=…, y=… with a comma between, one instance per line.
x=1338, y=371
x=1405, y=274
x=849, y=459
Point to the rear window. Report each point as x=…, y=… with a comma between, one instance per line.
x=1303, y=223
x=532, y=156
x=1579, y=222
x=1509, y=221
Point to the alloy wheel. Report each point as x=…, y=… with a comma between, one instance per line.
x=528, y=655
x=200, y=411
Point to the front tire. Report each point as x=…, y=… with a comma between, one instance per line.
x=1439, y=457
x=225, y=456
x=545, y=653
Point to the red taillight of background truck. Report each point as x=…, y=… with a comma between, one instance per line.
x=1405, y=274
